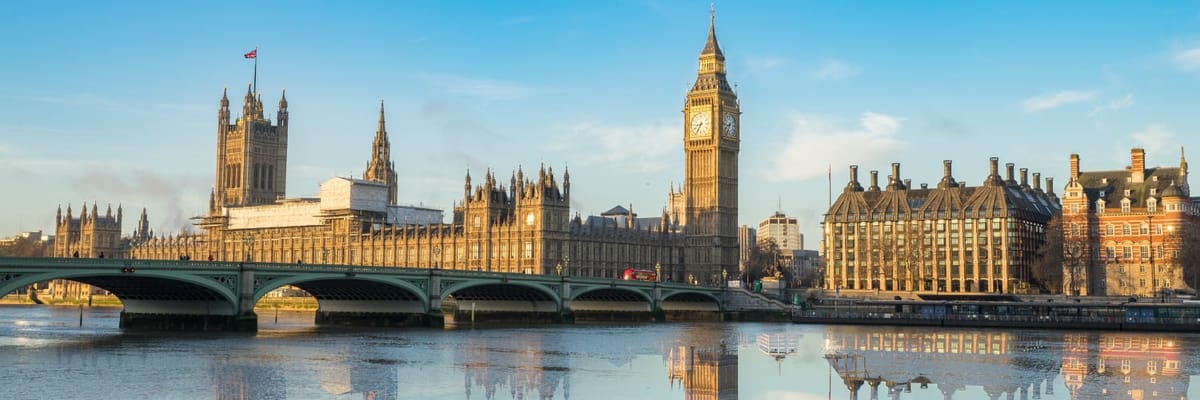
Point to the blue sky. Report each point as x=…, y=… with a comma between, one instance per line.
x=116, y=102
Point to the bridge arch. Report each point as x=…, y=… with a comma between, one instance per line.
x=300, y=280
x=577, y=293
x=542, y=289
x=226, y=291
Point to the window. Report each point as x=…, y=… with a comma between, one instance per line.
x=1126, y=229
x=1144, y=229
x=528, y=249
x=1108, y=229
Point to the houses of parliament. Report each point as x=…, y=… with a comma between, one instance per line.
x=522, y=224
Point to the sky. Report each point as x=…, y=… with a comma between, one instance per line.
x=116, y=102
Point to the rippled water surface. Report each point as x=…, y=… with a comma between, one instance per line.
x=45, y=353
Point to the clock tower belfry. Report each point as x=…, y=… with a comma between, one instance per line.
x=711, y=139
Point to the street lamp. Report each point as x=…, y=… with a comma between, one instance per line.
x=248, y=242
x=658, y=272
x=436, y=250
x=558, y=269
x=324, y=255
x=724, y=278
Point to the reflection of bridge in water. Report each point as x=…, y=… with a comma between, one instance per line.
x=219, y=295
x=1007, y=364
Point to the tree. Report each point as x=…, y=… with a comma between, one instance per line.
x=1188, y=251
x=764, y=261
x=25, y=247
x=914, y=254
x=1048, y=269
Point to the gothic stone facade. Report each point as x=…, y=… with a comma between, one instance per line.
x=952, y=238
x=1122, y=228
x=524, y=227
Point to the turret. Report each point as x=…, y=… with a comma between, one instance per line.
x=58, y=216
x=566, y=184
x=281, y=116
x=467, y=185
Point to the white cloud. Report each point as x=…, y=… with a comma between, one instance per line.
x=646, y=147
x=1113, y=105
x=1187, y=59
x=835, y=70
x=1155, y=138
x=483, y=88
x=816, y=143
x=761, y=64
x=1049, y=101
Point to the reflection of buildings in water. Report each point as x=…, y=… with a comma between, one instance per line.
x=904, y=360
x=778, y=345
x=243, y=382
x=704, y=372
x=520, y=364
x=1125, y=365
x=374, y=378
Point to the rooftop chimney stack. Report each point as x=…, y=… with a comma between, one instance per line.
x=1137, y=165
x=1074, y=168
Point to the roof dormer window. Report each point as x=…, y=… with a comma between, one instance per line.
x=1125, y=205
x=1126, y=192
x=1154, y=191
x=1152, y=205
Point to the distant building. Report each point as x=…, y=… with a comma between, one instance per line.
x=89, y=236
x=785, y=232
x=952, y=238
x=1121, y=228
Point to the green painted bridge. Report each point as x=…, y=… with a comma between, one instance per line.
x=204, y=295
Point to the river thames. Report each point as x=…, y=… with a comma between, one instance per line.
x=47, y=354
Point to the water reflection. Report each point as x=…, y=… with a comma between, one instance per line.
x=1006, y=364
x=521, y=364
x=293, y=360
x=1131, y=366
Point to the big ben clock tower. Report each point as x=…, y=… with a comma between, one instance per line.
x=711, y=137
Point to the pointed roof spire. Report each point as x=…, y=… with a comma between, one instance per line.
x=225, y=97
x=1182, y=162
x=711, y=46
x=283, y=99
x=381, y=120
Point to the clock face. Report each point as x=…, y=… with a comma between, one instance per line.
x=700, y=124
x=729, y=125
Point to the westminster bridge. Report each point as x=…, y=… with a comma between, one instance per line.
x=206, y=295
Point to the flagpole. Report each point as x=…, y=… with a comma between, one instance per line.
x=255, y=82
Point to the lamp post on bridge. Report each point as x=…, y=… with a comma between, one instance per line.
x=324, y=255
x=248, y=243
x=658, y=272
x=436, y=250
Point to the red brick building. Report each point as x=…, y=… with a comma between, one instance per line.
x=1122, y=228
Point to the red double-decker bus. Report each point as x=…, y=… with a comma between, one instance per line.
x=639, y=275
